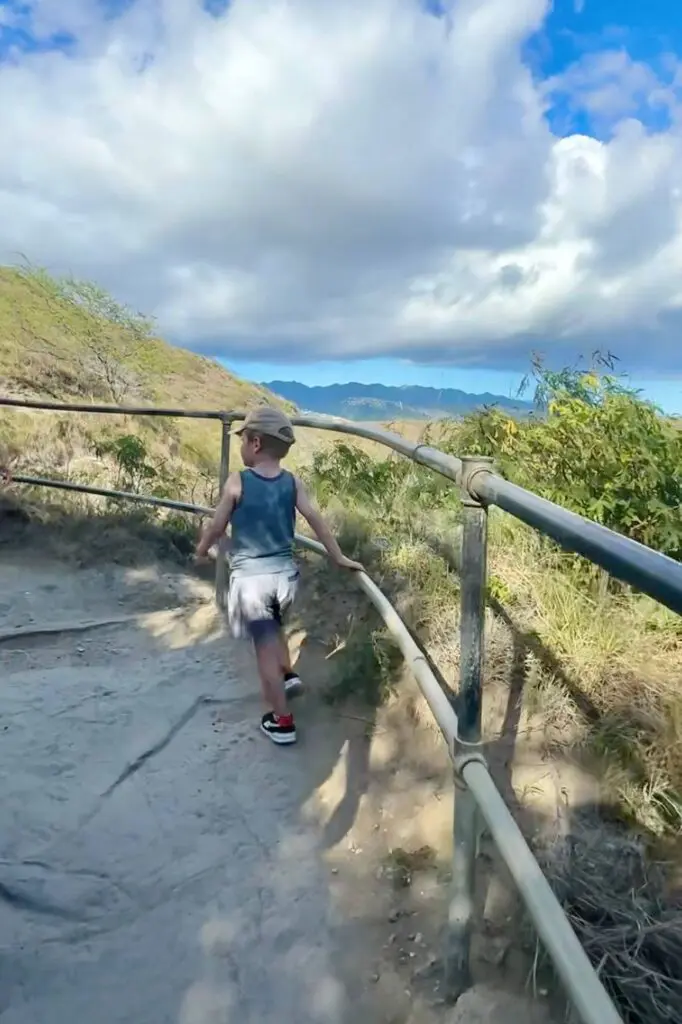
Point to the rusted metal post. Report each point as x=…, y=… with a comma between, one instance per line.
x=221, y=563
x=473, y=583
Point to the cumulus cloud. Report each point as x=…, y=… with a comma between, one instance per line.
x=308, y=179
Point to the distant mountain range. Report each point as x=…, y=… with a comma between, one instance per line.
x=376, y=402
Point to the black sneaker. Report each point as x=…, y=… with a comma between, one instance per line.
x=276, y=730
x=292, y=684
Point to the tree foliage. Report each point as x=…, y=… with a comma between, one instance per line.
x=136, y=471
x=345, y=471
x=594, y=446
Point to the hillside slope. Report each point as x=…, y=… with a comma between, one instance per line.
x=69, y=341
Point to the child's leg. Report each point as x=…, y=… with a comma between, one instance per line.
x=284, y=655
x=268, y=647
x=263, y=676
x=278, y=724
x=292, y=682
x=286, y=594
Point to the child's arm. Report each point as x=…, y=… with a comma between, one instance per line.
x=322, y=531
x=232, y=492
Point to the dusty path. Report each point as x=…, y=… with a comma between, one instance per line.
x=160, y=861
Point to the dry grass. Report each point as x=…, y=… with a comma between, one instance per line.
x=618, y=905
x=600, y=674
x=613, y=663
x=579, y=674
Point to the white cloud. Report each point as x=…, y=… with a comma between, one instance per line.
x=313, y=179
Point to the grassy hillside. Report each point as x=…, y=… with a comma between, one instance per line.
x=65, y=340
x=69, y=341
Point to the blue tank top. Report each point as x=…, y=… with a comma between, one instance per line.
x=263, y=524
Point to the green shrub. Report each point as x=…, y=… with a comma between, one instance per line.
x=595, y=447
x=390, y=487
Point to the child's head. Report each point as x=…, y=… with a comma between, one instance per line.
x=267, y=435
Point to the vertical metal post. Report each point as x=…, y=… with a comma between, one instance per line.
x=473, y=585
x=221, y=565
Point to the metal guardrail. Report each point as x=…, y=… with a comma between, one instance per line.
x=649, y=571
x=475, y=790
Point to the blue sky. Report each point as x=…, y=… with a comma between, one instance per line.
x=650, y=31
x=236, y=274
x=18, y=35
x=665, y=393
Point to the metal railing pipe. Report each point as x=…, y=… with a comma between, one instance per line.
x=469, y=703
x=112, y=410
x=649, y=571
x=581, y=982
x=447, y=465
x=221, y=564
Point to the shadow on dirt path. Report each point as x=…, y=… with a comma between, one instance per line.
x=160, y=862
x=159, y=859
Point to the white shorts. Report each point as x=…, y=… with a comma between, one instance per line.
x=256, y=605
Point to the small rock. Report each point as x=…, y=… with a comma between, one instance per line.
x=80, y=649
x=393, y=916
x=426, y=969
x=483, y=1004
x=495, y=950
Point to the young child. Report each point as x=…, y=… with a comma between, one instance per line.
x=261, y=504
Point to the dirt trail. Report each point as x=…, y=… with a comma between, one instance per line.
x=161, y=863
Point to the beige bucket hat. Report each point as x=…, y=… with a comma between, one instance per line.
x=271, y=422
